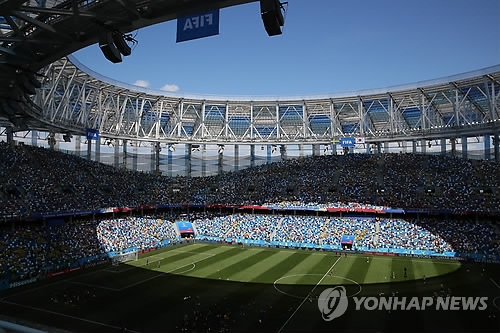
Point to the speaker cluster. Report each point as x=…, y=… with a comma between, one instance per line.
x=113, y=45
x=272, y=16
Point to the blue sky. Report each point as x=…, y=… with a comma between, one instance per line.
x=328, y=46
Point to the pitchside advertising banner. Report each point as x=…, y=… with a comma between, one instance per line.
x=198, y=26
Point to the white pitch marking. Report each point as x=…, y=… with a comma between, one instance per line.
x=305, y=298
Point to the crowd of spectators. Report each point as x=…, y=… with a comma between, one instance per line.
x=30, y=250
x=429, y=234
x=364, y=231
x=138, y=232
x=215, y=227
x=36, y=180
x=399, y=233
x=300, y=230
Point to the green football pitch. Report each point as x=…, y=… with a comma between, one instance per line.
x=202, y=287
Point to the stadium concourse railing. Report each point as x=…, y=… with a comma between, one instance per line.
x=348, y=210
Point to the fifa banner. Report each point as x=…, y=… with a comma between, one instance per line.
x=347, y=142
x=198, y=26
x=185, y=227
x=351, y=142
x=92, y=134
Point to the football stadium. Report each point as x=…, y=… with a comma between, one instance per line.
x=129, y=209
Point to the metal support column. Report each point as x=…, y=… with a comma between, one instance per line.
x=125, y=156
x=187, y=162
x=443, y=146
x=89, y=149
x=236, y=157
x=157, y=157
x=315, y=150
x=34, y=139
x=116, y=153
x=423, y=146
x=78, y=143
x=134, y=155
x=496, y=146
x=220, y=161
x=487, y=147
x=464, y=147
x=453, y=143
x=252, y=156
x=169, y=160
x=10, y=136
x=97, y=156
x=203, y=160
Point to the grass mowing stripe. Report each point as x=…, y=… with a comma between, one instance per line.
x=321, y=268
x=230, y=257
x=249, y=273
x=145, y=262
x=196, y=248
x=427, y=269
x=228, y=271
x=205, y=267
x=267, y=296
x=178, y=256
x=129, y=276
x=358, y=269
x=172, y=254
x=285, y=265
x=377, y=271
x=180, y=265
x=296, y=273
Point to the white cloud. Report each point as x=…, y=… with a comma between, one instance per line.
x=170, y=87
x=142, y=83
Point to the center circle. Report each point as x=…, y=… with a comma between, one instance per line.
x=276, y=284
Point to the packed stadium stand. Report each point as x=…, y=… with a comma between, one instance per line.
x=410, y=171
x=41, y=231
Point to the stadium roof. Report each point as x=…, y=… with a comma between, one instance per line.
x=72, y=98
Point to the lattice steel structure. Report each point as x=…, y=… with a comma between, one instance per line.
x=74, y=98
x=37, y=36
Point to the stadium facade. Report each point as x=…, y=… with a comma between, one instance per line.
x=199, y=135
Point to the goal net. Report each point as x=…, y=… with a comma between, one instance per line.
x=124, y=257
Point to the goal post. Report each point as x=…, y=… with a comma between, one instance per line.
x=124, y=257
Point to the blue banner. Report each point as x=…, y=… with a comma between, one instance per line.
x=347, y=142
x=347, y=239
x=185, y=227
x=92, y=134
x=198, y=26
